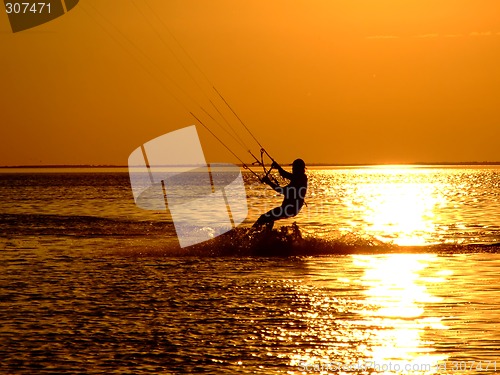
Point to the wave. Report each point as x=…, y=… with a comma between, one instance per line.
x=79, y=226
x=288, y=241
x=242, y=241
x=285, y=241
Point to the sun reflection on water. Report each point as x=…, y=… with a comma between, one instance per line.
x=375, y=311
x=404, y=212
x=395, y=305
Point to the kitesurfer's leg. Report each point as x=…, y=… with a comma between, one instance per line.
x=269, y=218
x=281, y=212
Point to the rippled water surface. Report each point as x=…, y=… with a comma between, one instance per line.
x=403, y=205
x=89, y=283
x=67, y=312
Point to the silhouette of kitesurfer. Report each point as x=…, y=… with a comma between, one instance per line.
x=294, y=194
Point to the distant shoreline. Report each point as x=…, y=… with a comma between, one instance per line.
x=78, y=166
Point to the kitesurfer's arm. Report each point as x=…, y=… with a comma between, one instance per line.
x=275, y=187
x=281, y=171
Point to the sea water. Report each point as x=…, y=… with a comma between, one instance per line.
x=90, y=283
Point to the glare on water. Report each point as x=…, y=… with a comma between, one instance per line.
x=408, y=206
x=404, y=211
x=376, y=313
x=77, y=297
x=396, y=300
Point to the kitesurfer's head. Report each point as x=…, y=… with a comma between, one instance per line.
x=298, y=167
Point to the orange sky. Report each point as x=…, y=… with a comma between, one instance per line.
x=361, y=81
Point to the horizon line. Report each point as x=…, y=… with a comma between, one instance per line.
x=319, y=164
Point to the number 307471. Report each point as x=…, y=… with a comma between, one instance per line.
x=23, y=8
